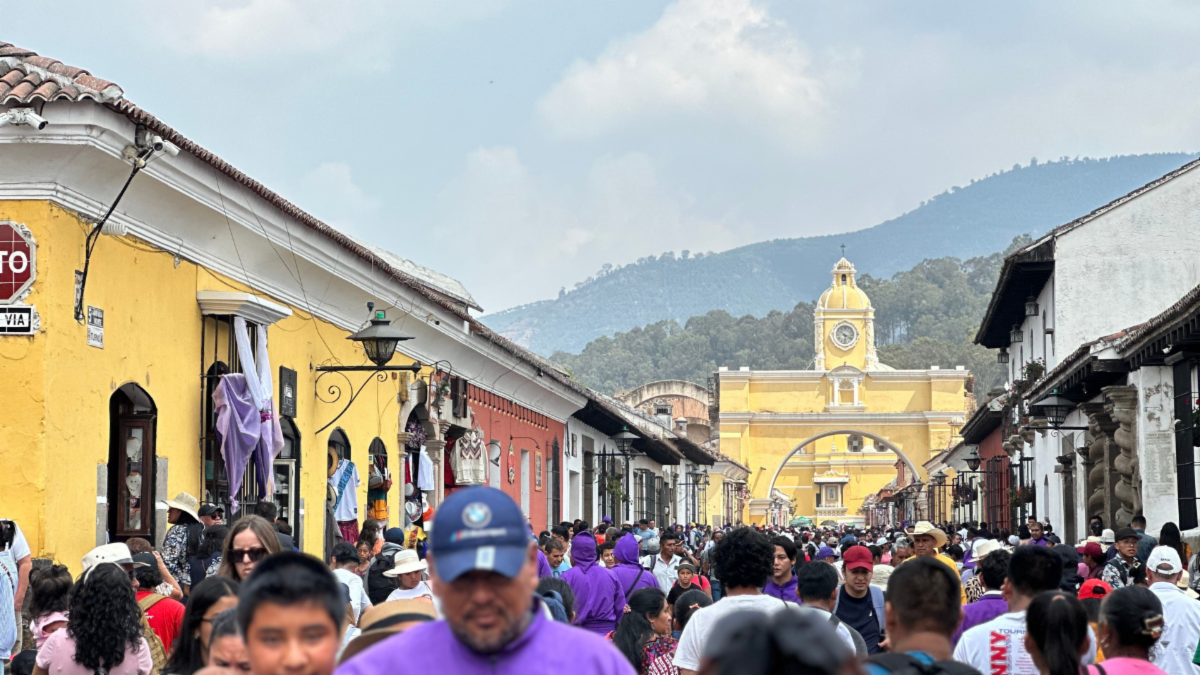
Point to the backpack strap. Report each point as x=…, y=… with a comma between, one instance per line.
x=877, y=600
x=150, y=601
x=634, y=584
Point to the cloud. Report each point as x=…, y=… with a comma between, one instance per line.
x=330, y=193
x=530, y=234
x=702, y=57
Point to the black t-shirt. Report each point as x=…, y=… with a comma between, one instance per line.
x=859, y=614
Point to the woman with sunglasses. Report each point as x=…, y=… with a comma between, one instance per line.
x=208, y=599
x=250, y=540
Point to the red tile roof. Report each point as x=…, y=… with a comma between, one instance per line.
x=27, y=78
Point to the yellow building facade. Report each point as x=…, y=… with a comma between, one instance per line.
x=109, y=413
x=817, y=442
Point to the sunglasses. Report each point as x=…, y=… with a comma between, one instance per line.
x=253, y=554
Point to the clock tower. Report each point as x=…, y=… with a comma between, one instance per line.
x=844, y=324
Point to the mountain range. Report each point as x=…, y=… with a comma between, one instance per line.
x=963, y=222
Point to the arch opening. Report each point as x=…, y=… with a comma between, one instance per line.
x=917, y=471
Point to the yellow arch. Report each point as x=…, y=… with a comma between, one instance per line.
x=916, y=470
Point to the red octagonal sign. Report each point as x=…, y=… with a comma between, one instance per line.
x=18, y=262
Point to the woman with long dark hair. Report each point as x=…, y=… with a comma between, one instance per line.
x=104, y=630
x=644, y=633
x=1131, y=622
x=251, y=539
x=1056, y=635
x=208, y=599
x=1171, y=536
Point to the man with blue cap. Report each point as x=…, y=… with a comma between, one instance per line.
x=484, y=573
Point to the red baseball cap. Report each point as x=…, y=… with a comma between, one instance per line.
x=857, y=557
x=1091, y=548
x=1094, y=588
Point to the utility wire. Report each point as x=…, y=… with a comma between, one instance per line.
x=94, y=236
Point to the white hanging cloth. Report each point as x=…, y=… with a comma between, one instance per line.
x=425, y=471
x=261, y=386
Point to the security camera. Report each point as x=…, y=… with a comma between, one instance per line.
x=170, y=148
x=35, y=120
x=156, y=142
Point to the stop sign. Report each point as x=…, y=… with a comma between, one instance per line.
x=18, y=262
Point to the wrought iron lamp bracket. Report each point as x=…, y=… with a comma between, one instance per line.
x=378, y=373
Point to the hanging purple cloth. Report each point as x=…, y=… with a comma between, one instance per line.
x=599, y=600
x=238, y=428
x=269, y=446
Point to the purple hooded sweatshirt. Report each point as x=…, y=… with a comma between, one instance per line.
x=543, y=566
x=629, y=567
x=599, y=600
x=546, y=646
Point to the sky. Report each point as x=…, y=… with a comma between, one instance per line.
x=519, y=145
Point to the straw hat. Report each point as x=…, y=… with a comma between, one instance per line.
x=186, y=503
x=928, y=529
x=406, y=561
x=387, y=619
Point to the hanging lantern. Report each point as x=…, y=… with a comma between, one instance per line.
x=1002, y=357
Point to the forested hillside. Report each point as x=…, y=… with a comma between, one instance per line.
x=925, y=316
x=965, y=222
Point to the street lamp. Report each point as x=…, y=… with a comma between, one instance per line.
x=1031, y=306
x=1017, y=335
x=1002, y=357
x=1054, y=408
x=625, y=441
x=973, y=459
x=379, y=340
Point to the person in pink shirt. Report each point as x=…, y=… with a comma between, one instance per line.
x=1131, y=623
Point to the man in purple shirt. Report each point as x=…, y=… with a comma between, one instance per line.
x=782, y=583
x=992, y=567
x=1037, y=534
x=629, y=570
x=484, y=572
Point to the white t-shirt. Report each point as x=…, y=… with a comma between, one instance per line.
x=998, y=647
x=667, y=573
x=1173, y=651
x=421, y=590
x=699, y=628
x=20, y=547
x=359, y=600
x=347, y=508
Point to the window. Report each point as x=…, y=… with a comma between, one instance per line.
x=287, y=477
x=662, y=409
x=554, y=491
x=831, y=495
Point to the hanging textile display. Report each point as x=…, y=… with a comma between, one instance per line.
x=258, y=380
x=424, y=472
x=238, y=428
x=471, y=467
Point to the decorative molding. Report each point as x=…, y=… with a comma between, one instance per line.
x=929, y=417
x=249, y=307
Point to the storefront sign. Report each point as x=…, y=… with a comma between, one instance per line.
x=19, y=320
x=18, y=262
x=95, y=327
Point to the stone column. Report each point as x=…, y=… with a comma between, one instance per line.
x=435, y=446
x=1102, y=477
x=1121, y=404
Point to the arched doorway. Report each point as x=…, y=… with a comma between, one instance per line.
x=131, y=464
x=916, y=470
x=287, y=477
x=378, y=481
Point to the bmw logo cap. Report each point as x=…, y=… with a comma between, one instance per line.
x=479, y=528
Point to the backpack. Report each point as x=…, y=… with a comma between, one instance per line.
x=876, y=604
x=909, y=664
x=906, y=664
x=157, y=652
x=379, y=587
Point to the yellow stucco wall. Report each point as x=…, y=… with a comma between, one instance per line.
x=57, y=388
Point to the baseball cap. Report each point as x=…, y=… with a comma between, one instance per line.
x=1106, y=537
x=394, y=535
x=208, y=510
x=479, y=528
x=825, y=552
x=1164, y=560
x=1091, y=548
x=145, y=560
x=857, y=557
x=1094, y=588
x=1126, y=533
x=117, y=554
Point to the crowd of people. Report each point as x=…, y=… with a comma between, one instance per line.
x=479, y=592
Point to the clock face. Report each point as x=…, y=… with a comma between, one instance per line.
x=845, y=335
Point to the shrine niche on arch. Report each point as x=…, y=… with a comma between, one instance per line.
x=845, y=389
